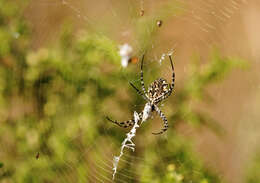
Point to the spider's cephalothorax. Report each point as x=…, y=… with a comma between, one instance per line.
x=157, y=91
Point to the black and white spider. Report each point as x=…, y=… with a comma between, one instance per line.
x=157, y=92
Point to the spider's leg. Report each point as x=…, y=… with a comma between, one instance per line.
x=142, y=77
x=125, y=124
x=162, y=97
x=169, y=92
x=173, y=75
x=165, y=122
x=138, y=91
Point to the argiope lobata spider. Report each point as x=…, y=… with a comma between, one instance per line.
x=157, y=92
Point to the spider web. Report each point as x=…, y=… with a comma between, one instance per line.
x=204, y=18
x=190, y=27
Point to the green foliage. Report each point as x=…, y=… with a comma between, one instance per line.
x=253, y=175
x=173, y=161
x=53, y=101
x=217, y=69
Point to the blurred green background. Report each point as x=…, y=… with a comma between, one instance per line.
x=61, y=74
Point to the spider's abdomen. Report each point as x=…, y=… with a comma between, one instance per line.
x=158, y=88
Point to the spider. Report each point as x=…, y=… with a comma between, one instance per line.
x=157, y=92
